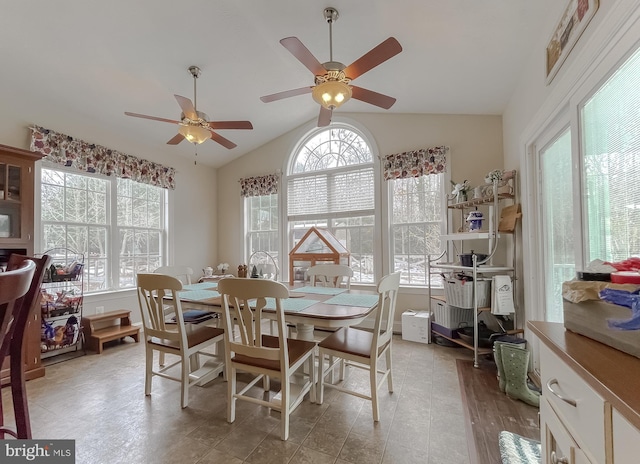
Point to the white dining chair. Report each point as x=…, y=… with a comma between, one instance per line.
x=263, y=356
x=155, y=291
x=330, y=275
x=182, y=273
x=355, y=347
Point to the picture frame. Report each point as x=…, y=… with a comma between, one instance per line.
x=574, y=21
x=5, y=226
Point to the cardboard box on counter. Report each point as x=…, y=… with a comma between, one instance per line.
x=589, y=318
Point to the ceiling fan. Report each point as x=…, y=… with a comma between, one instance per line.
x=194, y=125
x=333, y=79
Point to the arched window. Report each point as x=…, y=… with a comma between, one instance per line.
x=331, y=183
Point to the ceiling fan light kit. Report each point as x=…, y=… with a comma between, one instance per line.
x=332, y=90
x=194, y=133
x=333, y=79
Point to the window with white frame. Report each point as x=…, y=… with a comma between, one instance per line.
x=331, y=184
x=417, y=212
x=605, y=162
x=417, y=215
x=117, y=224
x=262, y=225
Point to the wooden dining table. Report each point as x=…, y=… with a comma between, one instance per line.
x=307, y=307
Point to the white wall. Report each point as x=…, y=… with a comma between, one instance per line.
x=475, y=143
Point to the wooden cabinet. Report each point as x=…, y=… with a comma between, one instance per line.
x=16, y=234
x=590, y=408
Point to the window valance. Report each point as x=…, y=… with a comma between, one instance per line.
x=415, y=163
x=260, y=185
x=88, y=157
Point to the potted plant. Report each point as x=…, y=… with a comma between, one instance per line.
x=460, y=191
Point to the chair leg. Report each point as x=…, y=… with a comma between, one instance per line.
x=373, y=380
x=161, y=359
x=184, y=390
x=320, y=384
x=231, y=399
x=19, y=395
x=284, y=409
x=148, y=370
x=388, y=366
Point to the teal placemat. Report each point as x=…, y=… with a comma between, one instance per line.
x=352, y=299
x=320, y=290
x=292, y=305
x=201, y=286
x=196, y=295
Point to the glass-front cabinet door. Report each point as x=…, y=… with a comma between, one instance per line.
x=16, y=198
x=10, y=200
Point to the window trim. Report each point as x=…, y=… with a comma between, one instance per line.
x=167, y=246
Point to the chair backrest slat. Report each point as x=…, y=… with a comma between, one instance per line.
x=330, y=275
x=244, y=301
x=155, y=292
x=383, y=327
x=182, y=273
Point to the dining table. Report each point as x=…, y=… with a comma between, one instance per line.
x=307, y=307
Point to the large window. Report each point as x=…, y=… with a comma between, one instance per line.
x=262, y=225
x=610, y=123
x=117, y=224
x=589, y=208
x=416, y=225
x=331, y=184
x=557, y=208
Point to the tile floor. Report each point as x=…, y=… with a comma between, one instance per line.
x=99, y=401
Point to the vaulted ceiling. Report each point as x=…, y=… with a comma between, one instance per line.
x=70, y=63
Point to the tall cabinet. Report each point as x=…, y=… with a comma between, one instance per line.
x=492, y=203
x=16, y=235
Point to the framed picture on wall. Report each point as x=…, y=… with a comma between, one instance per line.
x=574, y=21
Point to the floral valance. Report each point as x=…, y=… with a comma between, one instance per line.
x=415, y=163
x=256, y=186
x=89, y=157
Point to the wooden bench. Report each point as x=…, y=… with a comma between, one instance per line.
x=96, y=332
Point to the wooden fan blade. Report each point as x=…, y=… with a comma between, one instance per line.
x=324, y=118
x=286, y=94
x=303, y=55
x=378, y=55
x=222, y=141
x=144, y=116
x=374, y=98
x=187, y=107
x=176, y=140
x=230, y=124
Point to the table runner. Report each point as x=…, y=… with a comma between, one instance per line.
x=321, y=290
x=352, y=299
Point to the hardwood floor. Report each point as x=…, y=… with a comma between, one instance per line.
x=489, y=411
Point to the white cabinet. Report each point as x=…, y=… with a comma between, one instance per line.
x=577, y=406
x=590, y=407
x=558, y=446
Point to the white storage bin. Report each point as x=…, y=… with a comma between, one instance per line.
x=451, y=317
x=460, y=293
x=416, y=326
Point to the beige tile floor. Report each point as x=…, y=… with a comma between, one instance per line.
x=99, y=401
